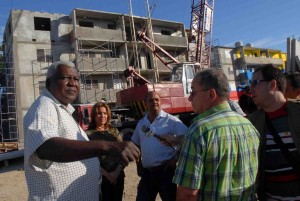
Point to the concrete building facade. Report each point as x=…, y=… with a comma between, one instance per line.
x=293, y=55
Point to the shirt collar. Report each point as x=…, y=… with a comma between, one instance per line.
x=216, y=109
x=160, y=114
x=70, y=109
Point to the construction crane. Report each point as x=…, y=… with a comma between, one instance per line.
x=200, y=33
x=156, y=49
x=199, y=36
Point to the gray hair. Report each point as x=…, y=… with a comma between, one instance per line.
x=214, y=78
x=53, y=67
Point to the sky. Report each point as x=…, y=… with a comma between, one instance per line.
x=263, y=23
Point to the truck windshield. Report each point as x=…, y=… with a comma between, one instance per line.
x=176, y=74
x=189, y=72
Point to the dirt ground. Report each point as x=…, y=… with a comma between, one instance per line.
x=13, y=185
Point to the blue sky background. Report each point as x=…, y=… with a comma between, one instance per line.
x=264, y=23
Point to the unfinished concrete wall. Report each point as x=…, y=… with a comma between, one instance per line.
x=25, y=40
x=293, y=54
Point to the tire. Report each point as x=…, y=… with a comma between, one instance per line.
x=127, y=133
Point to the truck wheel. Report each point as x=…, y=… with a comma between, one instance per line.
x=127, y=133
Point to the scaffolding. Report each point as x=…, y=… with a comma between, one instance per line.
x=39, y=70
x=91, y=64
x=88, y=67
x=8, y=115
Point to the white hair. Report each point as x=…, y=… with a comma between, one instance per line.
x=53, y=67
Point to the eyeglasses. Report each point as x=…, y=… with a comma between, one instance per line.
x=254, y=83
x=193, y=93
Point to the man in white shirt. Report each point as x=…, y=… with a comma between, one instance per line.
x=60, y=162
x=158, y=160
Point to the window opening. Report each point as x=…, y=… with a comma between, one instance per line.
x=165, y=32
x=44, y=55
x=42, y=24
x=86, y=24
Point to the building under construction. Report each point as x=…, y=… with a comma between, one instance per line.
x=102, y=45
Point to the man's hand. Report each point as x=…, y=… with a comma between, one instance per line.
x=128, y=151
x=64, y=150
x=112, y=177
x=184, y=193
x=172, y=162
x=170, y=140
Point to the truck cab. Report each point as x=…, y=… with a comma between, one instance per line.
x=184, y=73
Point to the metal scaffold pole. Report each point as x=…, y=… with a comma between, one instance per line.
x=136, y=54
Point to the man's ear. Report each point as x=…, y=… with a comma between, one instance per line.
x=274, y=84
x=212, y=94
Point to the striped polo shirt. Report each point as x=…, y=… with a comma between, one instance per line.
x=281, y=180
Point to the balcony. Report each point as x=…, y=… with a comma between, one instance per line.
x=95, y=95
x=259, y=60
x=165, y=40
x=101, y=64
x=97, y=34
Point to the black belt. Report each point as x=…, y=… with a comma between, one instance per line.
x=161, y=167
x=156, y=168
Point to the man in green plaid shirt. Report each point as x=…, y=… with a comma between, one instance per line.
x=219, y=156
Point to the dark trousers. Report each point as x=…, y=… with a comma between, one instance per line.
x=157, y=181
x=112, y=192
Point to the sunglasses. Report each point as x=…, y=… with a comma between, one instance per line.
x=254, y=83
x=193, y=92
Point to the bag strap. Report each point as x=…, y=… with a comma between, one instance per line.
x=287, y=154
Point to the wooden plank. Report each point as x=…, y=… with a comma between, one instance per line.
x=8, y=146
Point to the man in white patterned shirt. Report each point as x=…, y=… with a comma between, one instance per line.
x=60, y=162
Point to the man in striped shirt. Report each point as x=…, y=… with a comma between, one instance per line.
x=219, y=157
x=278, y=179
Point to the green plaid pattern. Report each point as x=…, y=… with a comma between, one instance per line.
x=219, y=156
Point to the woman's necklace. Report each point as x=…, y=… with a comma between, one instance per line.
x=100, y=128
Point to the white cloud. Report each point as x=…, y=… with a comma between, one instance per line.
x=274, y=42
x=230, y=44
x=278, y=42
x=270, y=42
